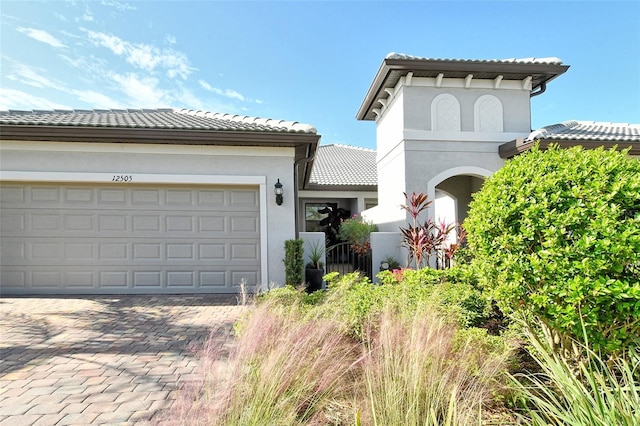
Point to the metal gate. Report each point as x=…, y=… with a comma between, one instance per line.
x=342, y=259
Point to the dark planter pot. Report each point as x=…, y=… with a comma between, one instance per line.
x=313, y=279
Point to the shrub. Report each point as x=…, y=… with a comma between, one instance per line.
x=357, y=232
x=294, y=262
x=355, y=300
x=556, y=233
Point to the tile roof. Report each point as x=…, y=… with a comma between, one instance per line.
x=549, y=60
x=343, y=165
x=539, y=71
x=588, y=130
x=153, y=119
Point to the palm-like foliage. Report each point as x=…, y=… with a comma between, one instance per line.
x=428, y=238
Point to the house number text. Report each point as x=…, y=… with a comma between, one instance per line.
x=122, y=178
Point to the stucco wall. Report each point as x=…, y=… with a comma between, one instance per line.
x=391, y=166
x=172, y=164
x=415, y=157
x=417, y=101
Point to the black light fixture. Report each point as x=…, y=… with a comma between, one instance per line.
x=278, y=190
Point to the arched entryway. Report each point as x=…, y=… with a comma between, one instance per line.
x=452, y=192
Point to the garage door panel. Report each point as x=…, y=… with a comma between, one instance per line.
x=12, y=194
x=42, y=221
x=12, y=222
x=48, y=251
x=243, y=199
x=67, y=222
x=210, y=198
x=81, y=239
x=13, y=281
x=80, y=251
x=46, y=280
x=113, y=251
x=12, y=250
x=80, y=280
x=112, y=197
x=45, y=195
x=85, y=196
x=248, y=277
x=119, y=280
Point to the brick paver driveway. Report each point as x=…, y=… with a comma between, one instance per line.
x=102, y=360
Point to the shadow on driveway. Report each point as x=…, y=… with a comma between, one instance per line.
x=86, y=346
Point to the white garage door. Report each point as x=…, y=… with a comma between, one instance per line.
x=125, y=239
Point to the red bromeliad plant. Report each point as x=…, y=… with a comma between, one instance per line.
x=428, y=238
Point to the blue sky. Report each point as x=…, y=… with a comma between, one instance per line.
x=310, y=62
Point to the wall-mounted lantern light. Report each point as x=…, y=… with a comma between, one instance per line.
x=278, y=190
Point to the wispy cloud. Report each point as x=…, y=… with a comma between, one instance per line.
x=121, y=6
x=33, y=77
x=205, y=85
x=185, y=98
x=96, y=100
x=144, y=56
x=16, y=99
x=227, y=93
x=42, y=36
x=170, y=39
x=142, y=91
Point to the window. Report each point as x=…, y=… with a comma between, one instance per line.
x=312, y=216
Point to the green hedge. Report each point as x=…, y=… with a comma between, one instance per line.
x=556, y=233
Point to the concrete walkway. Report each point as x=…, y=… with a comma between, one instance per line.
x=102, y=360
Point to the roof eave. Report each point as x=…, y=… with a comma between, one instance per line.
x=333, y=188
x=304, y=144
x=550, y=71
x=516, y=147
x=154, y=136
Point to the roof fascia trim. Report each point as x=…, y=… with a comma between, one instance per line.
x=393, y=64
x=516, y=147
x=145, y=135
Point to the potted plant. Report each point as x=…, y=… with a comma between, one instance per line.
x=314, y=269
x=389, y=264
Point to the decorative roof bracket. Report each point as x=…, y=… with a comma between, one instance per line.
x=467, y=81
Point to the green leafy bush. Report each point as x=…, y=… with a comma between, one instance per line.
x=355, y=300
x=357, y=231
x=294, y=262
x=556, y=233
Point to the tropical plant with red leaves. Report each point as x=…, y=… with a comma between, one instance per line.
x=450, y=250
x=423, y=240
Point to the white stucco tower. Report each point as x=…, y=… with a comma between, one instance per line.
x=440, y=122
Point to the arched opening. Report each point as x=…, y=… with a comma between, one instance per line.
x=457, y=183
x=459, y=188
x=445, y=210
